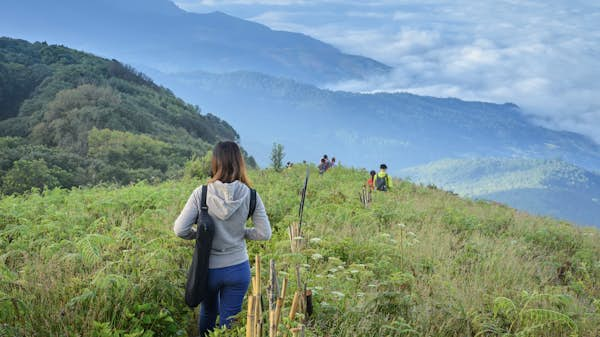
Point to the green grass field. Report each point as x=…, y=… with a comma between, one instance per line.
x=104, y=261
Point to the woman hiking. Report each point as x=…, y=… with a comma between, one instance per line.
x=371, y=180
x=228, y=201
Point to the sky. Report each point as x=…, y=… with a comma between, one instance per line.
x=543, y=56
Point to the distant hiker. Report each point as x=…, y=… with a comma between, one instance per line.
x=382, y=179
x=322, y=166
x=228, y=199
x=332, y=162
x=371, y=181
x=289, y=165
x=327, y=162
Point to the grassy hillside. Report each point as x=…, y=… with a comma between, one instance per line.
x=548, y=187
x=68, y=118
x=419, y=262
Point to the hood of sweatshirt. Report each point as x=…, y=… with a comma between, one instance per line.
x=224, y=199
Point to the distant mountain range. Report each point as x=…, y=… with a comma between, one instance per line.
x=548, y=187
x=365, y=129
x=159, y=35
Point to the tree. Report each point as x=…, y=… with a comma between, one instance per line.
x=199, y=167
x=277, y=155
x=26, y=174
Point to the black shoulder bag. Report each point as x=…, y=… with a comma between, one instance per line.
x=196, y=288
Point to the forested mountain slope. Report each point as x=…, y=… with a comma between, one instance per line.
x=68, y=118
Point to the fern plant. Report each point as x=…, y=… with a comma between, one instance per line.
x=524, y=320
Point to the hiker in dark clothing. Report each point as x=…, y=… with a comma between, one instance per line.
x=322, y=166
x=327, y=162
x=382, y=179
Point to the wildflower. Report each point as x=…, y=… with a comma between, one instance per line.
x=372, y=285
x=315, y=240
x=333, y=270
x=401, y=225
x=306, y=265
x=298, y=238
x=318, y=288
x=385, y=235
x=316, y=256
x=319, y=276
x=353, y=271
x=338, y=294
x=412, y=234
x=331, y=276
x=360, y=294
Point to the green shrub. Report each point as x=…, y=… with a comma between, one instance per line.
x=199, y=167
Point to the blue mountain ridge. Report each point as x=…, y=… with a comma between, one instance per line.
x=539, y=186
x=160, y=35
x=400, y=129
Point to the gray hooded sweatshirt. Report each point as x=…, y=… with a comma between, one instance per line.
x=228, y=205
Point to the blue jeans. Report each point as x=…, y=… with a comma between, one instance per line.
x=227, y=287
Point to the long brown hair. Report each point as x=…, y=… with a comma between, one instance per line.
x=228, y=164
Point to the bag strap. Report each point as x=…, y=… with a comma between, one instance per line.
x=252, y=203
x=203, y=206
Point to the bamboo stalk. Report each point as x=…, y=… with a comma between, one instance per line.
x=277, y=316
x=279, y=305
x=257, y=277
x=294, y=306
x=272, y=289
x=272, y=292
x=258, y=315
x=250, y=317
x=256, y=323
x=259, y=328
x=283, y=288
x=298, y=279
x=296, y=239
x=303, y=302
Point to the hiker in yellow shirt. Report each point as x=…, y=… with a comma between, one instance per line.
x=383, y=182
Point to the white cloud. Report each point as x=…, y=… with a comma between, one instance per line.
x=372, y=15
x=543, y=56
x=241, y=2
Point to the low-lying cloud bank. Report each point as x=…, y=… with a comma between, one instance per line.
x=543, y=56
